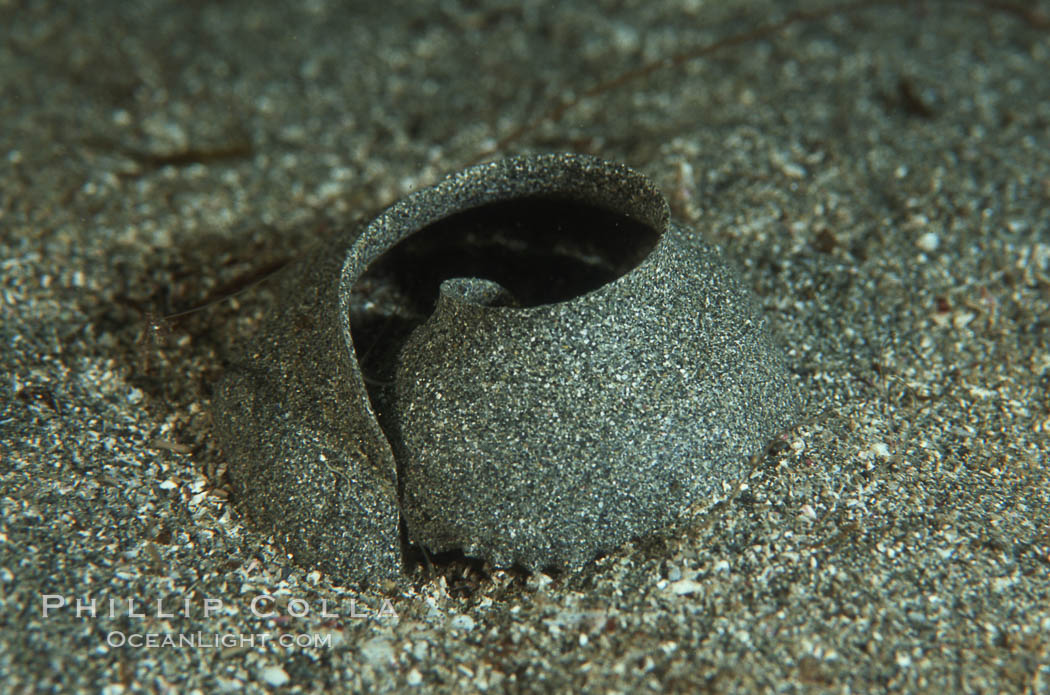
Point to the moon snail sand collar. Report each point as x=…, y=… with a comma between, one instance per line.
x=528, y=361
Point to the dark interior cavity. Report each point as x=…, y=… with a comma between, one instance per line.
x=541, y=250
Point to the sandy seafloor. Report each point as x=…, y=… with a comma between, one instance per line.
x=881, y=177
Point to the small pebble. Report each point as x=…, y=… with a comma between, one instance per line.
x=928, y=241
x=685, y=586
x=377, y=651
x=462, y=622
x=274, y=676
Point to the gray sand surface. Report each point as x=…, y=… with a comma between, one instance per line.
x=880, y=176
